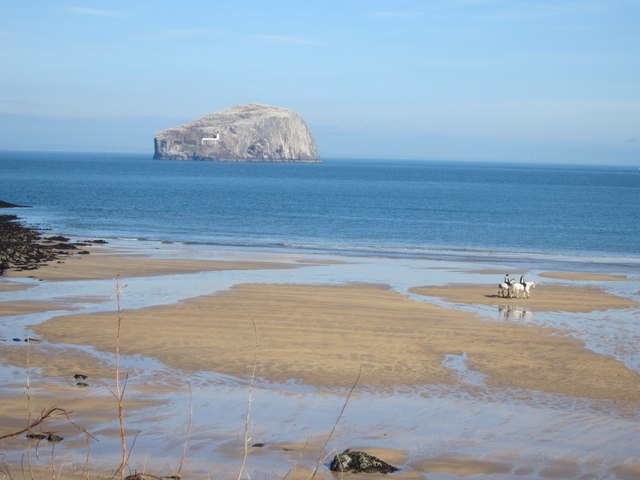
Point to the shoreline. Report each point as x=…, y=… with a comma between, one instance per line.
x=319, y=320
x=570, y=259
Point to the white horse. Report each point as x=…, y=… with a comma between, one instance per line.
x=525, y=289
x=504, y=289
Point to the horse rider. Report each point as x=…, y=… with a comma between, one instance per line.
x=522, y=280
x=507, y=279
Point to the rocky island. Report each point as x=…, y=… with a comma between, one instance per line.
x=245, y=133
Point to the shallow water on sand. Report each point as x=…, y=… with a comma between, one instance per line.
x=512, y=431
x=493, y=433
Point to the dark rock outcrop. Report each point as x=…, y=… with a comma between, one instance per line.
x=9, y=205
x=23, y=247
x=246, y=133
x=19, y=245
x=360, y=462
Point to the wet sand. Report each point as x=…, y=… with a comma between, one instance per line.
x=320, y=336
x=10, y=287
x=324, y=335
x=584, y=277
x=543, y=298
x=28, y=307
x=102, y=264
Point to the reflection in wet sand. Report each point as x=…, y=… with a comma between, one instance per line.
x=514, y=313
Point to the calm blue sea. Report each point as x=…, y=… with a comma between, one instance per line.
x=339, y=205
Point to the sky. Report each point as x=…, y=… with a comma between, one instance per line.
x=505, y=80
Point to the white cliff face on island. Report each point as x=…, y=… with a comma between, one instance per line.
x=246, y=133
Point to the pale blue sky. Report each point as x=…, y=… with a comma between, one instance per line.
x=552, y=81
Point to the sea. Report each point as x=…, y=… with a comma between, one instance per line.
x=358, y=206
x=401, y=223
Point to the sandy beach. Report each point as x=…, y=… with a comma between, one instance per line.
x=320, y=337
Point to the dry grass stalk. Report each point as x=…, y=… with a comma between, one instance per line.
x=322, y=456
x=52, y=412
x=6, y=472
x=28, y=392
x=49, y=414
x=186, y=439
x=249, y=400
x=120, y=390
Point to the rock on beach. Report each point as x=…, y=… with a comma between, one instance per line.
x=360, y=462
